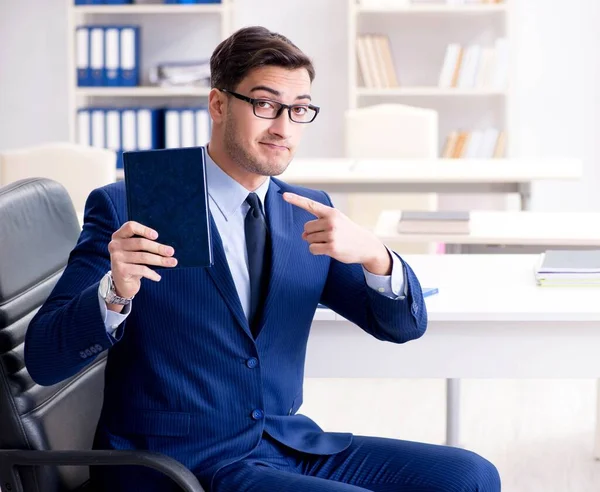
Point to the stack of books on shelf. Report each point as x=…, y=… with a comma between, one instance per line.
x=176, y=74
x=475, y=66
x=568, y=268
x=434, y=222
x=375, y=61
x=127, y=129
x=478, y=144
x=107, y=56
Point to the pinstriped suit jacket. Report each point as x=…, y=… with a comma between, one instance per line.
x=184, y=375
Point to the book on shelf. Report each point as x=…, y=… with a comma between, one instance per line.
x=107, y=56
x=375, y=61
x=564, y=268
x=478, y=144
x=434, y=222
x=475, y=66
x=142, y=128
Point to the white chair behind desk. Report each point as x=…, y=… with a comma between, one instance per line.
x=391, y=131
x=78, y=168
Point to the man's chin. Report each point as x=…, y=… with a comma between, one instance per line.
x=273, y=167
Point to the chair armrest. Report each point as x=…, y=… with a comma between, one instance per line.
x=11, y=458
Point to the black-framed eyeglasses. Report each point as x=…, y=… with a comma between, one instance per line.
x=271, y=110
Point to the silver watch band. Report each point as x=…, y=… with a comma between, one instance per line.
x=112, y=297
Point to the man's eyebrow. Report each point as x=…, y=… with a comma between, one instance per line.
x=276, y=92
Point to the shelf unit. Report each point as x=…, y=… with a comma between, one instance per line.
x=435, y=9
x=420, y=20
x=428, y=92
x=142, y=91
x=162, y=9
x=419, y=35
x=153, y=16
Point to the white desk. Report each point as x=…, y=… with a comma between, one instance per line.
x=489, y=320
x=566, y=229
x=430, y=175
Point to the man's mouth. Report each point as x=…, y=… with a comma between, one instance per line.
x=275, y=146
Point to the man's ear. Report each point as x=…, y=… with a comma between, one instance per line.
x=217, y=105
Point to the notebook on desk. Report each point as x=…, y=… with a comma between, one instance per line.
x=166, y=190
x=582, y=261
x=568, y=268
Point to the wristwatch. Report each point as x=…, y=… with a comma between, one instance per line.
x=108, y=292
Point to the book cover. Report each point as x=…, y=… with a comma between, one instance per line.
x=167, y=191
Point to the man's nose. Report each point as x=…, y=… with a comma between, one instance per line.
x=282, y=125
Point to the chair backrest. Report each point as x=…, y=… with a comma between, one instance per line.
x=38, y=230
x=391, y=131
x=78, y=168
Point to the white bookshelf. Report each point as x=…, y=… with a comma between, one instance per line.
x=429, y=92
x=169, y=32
x=124, y=92
x=434, y=9
x=418, y=38
x=162, y=9
x=418, y=42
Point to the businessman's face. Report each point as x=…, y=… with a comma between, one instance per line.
x=259, y=145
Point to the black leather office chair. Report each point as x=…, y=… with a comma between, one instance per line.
x=42, y=428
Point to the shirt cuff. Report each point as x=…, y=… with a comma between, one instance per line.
x=392, y=286
x=111, y=319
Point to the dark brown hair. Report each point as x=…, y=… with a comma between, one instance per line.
x=250, y=48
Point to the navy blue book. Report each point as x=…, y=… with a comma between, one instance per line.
x=166, y=191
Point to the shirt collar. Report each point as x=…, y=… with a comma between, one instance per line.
x=227, y=193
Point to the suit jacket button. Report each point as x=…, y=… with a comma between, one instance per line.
x=98, y=347
x=257, y=414
x=252, y=362
x=82, y=355
x=88, y=352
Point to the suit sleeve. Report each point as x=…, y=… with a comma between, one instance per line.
x=68, y=332
x=395, y=320
x=388, y=285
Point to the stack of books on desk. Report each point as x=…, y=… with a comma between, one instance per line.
x=434, y=222
x=569, y=268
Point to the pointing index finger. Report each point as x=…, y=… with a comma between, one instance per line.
x=315, y=208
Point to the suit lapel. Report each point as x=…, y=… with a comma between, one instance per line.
x=279, y=219
x=223, y=279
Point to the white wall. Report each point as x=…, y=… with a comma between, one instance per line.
x=555, y=94
x=33, y=73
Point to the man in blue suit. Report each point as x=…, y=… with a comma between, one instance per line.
x=206, y=365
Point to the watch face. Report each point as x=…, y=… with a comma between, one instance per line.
x=104, y=286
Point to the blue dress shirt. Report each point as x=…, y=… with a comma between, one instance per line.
x=227, y=202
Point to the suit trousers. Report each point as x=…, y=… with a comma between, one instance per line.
x=369, y=464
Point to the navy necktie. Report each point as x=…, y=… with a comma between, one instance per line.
x=256, y=245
